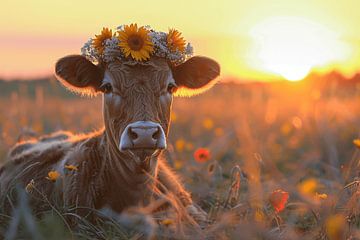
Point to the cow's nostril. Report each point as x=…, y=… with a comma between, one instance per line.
x=133, y=135
x=156, y=134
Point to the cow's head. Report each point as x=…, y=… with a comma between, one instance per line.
x=137, y=97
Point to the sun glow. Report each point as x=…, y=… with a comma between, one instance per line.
x=292, y=47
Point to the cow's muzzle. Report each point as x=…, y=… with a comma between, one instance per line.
x=143, y=135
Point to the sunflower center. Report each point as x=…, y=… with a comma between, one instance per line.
x=135, y=42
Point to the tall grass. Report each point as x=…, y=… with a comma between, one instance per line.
x=291, y=137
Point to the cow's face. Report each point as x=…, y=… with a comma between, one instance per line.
x=137, y=97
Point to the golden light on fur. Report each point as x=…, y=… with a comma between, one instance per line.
x=189, y=92
x=175, y=41
x=136, y=42
x=98, y=42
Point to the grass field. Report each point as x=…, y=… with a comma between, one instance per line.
x=292, y=137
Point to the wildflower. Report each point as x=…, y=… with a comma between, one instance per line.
x=71, y=167
x=321, y=196
x=278, y=200
x=308, y=187
x=167, y=222
x=136, y=42
x=30, y=186
x=335, y=227
x=208, y=123
x=173, y=117
x=357, y=142
x=99, y=40
x=202, y=155
x=259, y=216
x=178, y=164
x=180, y=144
x=174, y=41
x=285, y=129
x=53, y=176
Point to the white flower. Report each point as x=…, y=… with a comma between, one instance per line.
x=189, y=50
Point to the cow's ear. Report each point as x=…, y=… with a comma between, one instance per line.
x=195, y=76
x=79, y=74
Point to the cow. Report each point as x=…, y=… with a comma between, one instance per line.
x=119, y=165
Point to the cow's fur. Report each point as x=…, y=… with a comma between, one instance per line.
x=106, y=176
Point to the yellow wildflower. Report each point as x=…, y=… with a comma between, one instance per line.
x=173, y=117
x=208, y=123
x=335, y=227
x=178, y=164
x=180, y=144
x=167, y=222
x=357, y=142
x=285, y=129
x=53, y=176
x=71, y=167
x=308, y=187
x=259, y=216
x=321, y=196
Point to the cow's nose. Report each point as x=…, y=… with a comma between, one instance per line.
x=143, y=135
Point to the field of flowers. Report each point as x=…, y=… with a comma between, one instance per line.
x=265, y=161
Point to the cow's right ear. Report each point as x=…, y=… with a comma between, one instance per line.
x=79, y=74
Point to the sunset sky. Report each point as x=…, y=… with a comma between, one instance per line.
x=257, y=39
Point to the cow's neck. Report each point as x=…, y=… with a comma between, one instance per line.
x=125, y=168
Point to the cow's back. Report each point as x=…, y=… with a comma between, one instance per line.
x=34, y=159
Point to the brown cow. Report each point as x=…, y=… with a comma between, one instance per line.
x=116, y=166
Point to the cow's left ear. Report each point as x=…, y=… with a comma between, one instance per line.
x=195, y=76
x=78, y=74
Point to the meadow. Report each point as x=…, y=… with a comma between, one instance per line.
x=280, y=161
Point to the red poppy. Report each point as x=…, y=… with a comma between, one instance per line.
x=278, y=199
x=202, y=155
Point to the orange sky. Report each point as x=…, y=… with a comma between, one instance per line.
x=258, y=39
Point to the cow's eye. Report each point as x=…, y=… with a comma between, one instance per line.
x=106, y=88
x=172, y=88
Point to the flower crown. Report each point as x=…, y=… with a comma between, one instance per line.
x=133, y=43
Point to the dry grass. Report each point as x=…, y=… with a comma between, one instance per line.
x=291, y=137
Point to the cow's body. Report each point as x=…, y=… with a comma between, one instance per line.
x=95, y=183
x=121, y=165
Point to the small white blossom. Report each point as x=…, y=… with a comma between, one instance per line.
x=120, y=28
x=189, y=50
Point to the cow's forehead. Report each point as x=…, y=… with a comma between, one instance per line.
x=155, y=72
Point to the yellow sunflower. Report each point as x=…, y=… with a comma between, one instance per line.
x=136, y=42
x=175, y=41
x=99, y=39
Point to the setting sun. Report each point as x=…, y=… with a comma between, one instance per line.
x=292, y=47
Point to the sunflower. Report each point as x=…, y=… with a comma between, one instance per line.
x=136, y=42
x=175, y=41
x=99, y=39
